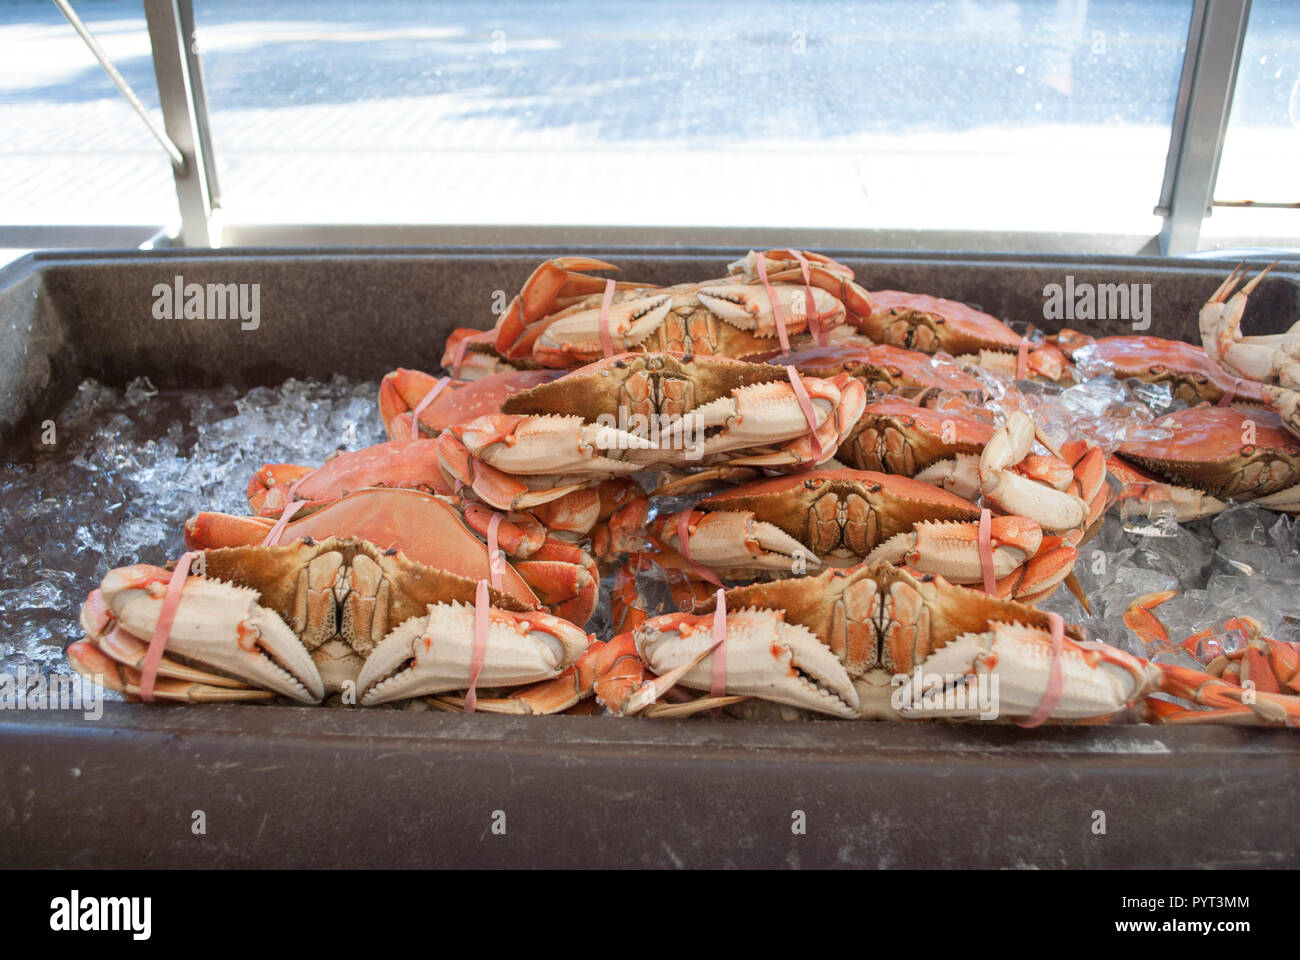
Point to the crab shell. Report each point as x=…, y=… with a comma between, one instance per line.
x=919, y=321
x=880, y=366
x=835, y=514
x=714, y=318
x=308, y=619
x=900, y=437
x=706, y=409
x=410, y=464
x=1191, y=374
x=438, y=532
x=783, y=266
x=401, y=391
x=831, y=644
x=1228, y=452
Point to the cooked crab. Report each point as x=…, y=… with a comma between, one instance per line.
x=1272, y=361
x=441, y=532
x=789, y=525
x=309, y=619
x=1192, y=375
x=1229, y=452
x=639, y=412
x=929, y=324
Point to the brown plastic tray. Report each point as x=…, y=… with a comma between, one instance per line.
x=293, y=786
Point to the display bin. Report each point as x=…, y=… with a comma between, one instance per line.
x=300, y=786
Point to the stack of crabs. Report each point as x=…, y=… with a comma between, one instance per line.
x=835, y=487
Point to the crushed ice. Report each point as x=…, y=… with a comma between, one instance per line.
x=125, y=469
x=128, y=467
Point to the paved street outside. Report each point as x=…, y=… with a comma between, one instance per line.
x=962, y=114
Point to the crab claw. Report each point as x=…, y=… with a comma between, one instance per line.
x=432, y=653
x=736, y=539
x=1054, y=510
x=950, y=549
x=1096, y=680
x=573, y=337
x=748, y=307
x=1266, y=359
x=219, y=625
x=765, y=657
x=770, y=413
x=551, y=280
x=823, y=272
x=551, y=444
x=1287, y=404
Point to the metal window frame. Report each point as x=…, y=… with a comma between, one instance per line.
x=185, y=118
x=1209, y=78
x=1207, y=81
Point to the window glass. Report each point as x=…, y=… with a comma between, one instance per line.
x=1261, y=148
x=71, y=150
x=951, y=114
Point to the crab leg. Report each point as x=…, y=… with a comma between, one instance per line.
x=1273, y=361
x=1271, y=358
x=91, y=662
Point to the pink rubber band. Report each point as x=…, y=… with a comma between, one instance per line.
x=428, y=399
x=606, y=338
x=162, y=630
x=809, y=414
x=494, y=551
x=277, y=530
x=462, y=348
x=985, y=544
x=1229, y=395
x=458, y=358
x=781, y=333
x=1056, y=678
x=810, y=301
x=480, y=644
x=718, y=679
x=291, y=507
x=684, y=548
x=1022, y=360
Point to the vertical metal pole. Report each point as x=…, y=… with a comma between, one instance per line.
x=1214, y=40
x=171, y=34
x=199, y=97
